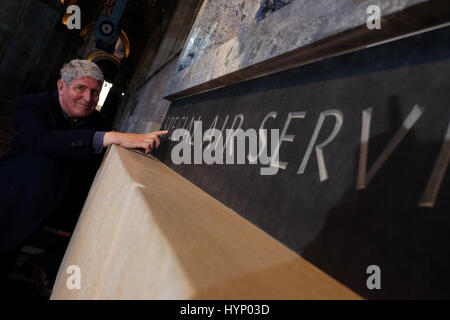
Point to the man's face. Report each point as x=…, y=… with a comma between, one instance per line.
x=80, y=98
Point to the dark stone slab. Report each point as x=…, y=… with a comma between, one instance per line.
x=338, y=228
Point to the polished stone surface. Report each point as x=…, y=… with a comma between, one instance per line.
x=227, y=35
x=147, y=233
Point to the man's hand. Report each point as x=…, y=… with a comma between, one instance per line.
x=145, y=141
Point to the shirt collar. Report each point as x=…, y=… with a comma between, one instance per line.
x=72, y=122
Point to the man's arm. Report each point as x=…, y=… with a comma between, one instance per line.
x=34, y=131
x=146, y=141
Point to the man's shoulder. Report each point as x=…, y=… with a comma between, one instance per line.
x=42, y=98
x=36, y=96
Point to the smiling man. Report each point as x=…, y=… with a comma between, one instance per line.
x=56, y=150
x=79, y=98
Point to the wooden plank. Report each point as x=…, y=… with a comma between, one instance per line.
x=145, y=232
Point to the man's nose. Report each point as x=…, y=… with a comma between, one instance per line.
x=87, y=96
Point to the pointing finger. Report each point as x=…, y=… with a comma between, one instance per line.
x=160, y=133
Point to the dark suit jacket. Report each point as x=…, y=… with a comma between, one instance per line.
x=48, y=169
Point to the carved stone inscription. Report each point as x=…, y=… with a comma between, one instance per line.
x=361, y=176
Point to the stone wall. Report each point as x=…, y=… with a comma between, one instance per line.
x=233, y=41
x=229, y=36
x=31, y=29
x=147, y=111
x=146, y=107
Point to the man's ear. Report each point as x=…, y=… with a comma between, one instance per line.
x=60, y=84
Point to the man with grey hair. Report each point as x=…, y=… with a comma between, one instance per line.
x=56, y=150
x=79, y=90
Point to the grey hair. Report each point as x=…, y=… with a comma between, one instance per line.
x=76, y=68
